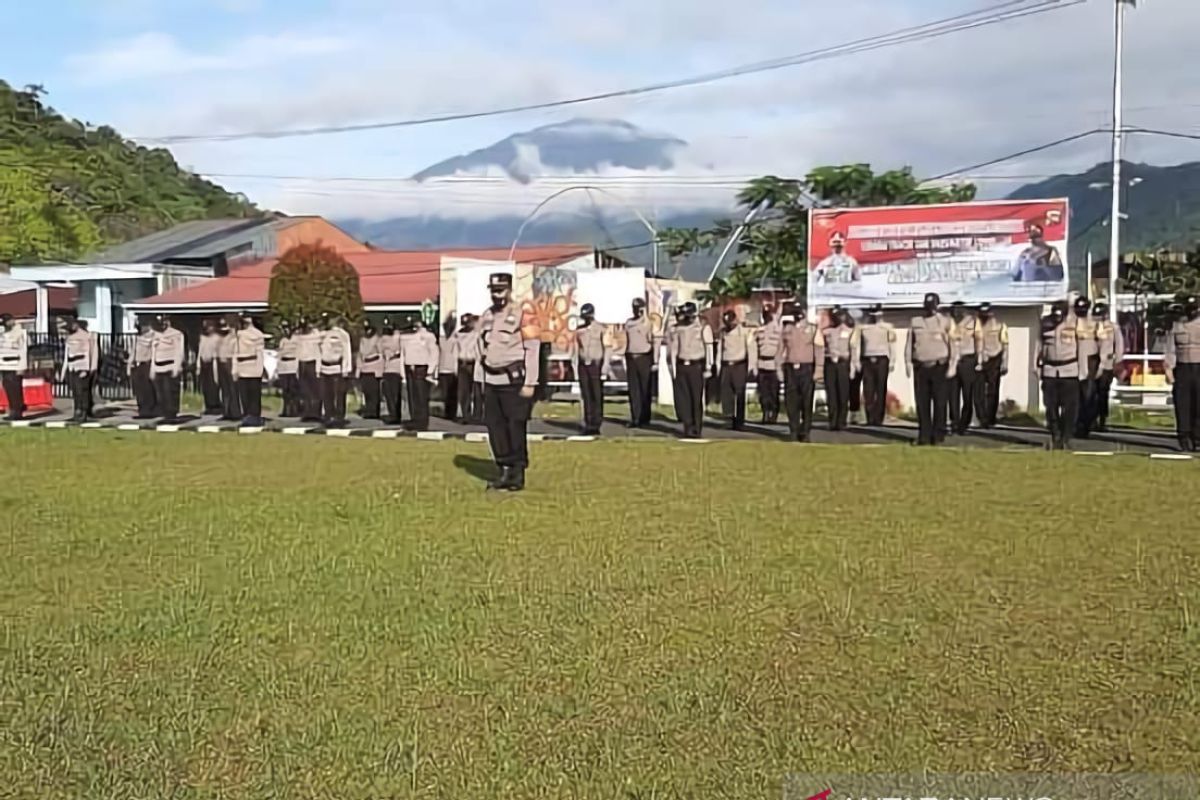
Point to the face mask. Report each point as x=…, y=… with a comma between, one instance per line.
x=930, y=307
x=498, y=299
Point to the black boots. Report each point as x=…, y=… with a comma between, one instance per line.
x=512, y=479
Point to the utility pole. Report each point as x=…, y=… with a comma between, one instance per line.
x=1118, y=137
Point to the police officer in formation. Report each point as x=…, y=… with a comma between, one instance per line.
x=1062, y=364
x=768, y=342
x=690, y=355
x=737, y=358
x=1111, y=345
x=393, y=373
x=876, y=361
x=841, y=353
x=1182, y=357
x=591, y=360
x=81, y=359
x=962, y=382
x=336, y=365
x=803, y=366
x=463, y=349
x=248, y=360
x=231, y=403
x=167, y=367
x=447, y=376
x=14, y=360
x=992, y=357
x=1086, y=328
x=507, y=365
x=206, y=367
x=931, y=359
x=138, y=369
x=370, y=369
x=287, y=370
x=641, y=347
x=308, y=356
x=419, y=349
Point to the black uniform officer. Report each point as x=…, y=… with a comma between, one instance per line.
x=930, y=358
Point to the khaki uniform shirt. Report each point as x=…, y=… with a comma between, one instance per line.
x=248, y=346
x=590, y=348
x=419, y=349
x=1060, y=355
x=370, y=356
x=14, y=350
x=336, y=356
x=1111, y=343
x=286, y=361
x=932, y=340
x=1183, y=344
x=308, y=346
x=393, y=359
x=691, y=343
x=1085, y=333
x=737, y=345
x=966, y=336
x=226, y=345
x=208, y=347
x=508, y=348
x=768, y=344
x=842, y=344
x=639, y=336
x=992, y=341
x=466, y=345
x=877, y=340
x=143, y=348
x=168, y=352
x=81, y=353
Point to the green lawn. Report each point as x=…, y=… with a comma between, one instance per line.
x=250, y=617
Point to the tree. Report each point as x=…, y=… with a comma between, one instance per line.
x=1161, y=273
x=774, y=245
x=310, y=280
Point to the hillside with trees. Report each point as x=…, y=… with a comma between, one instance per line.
x=68, y=187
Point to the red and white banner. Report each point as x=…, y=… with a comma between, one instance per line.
x=1008, y=252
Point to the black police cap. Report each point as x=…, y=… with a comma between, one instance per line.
x=640, y=302
x=985, y=307
x=500, y=280
x=587, y=308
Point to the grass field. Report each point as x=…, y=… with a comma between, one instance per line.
x=249, y=617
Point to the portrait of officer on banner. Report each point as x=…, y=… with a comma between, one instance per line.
x=1040, y=262
x=838, y=266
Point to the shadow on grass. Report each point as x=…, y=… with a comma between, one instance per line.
x=481, y=469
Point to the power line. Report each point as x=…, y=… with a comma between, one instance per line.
x=989, y=15
x=1171, y=134
x=1011, y=156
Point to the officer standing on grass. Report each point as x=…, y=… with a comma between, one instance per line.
x=393, y=372
x=931, y=358
x=509, y=352
x=466, y=351
x=1182, y=357
x=841, y=345
x=419, y=349
x=877, y=359
x=993, y=364
x=590, y=357
x=737, y=358
x=167, y=367
x=690, y=357
x=287, y=369
x=803, y=367
x=640, y=350
x=14, y=360
x=370, y=370
x=962, y=383
x=308, y=356
x=139, y=371
x=206, y=367
x=1086, y=328
x=768, y=341
x=231, y=405
x=1062, y=365
x=1111, y=344
x=80, y=361
x=336, y=365
x=248, y=349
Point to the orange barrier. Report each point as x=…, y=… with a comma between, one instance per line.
x=38, y=392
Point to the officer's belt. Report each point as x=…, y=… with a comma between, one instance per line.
x=369, y=359
x=735, y=363
x=877, y=358
x=287, y=358
x=246, y=358
x=465, y=361
x=636, y=355
x=77, y=357
x=1063, y=363
x=690, y=361
x=164, y=363
x=7, y=357
x=939, y=363
x=798, y=364
x=510, y=370
x=333, y=363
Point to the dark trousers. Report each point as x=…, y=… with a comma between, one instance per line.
x=289, y=387
x=231, y=407
x=837, y=392
x=369, y=385
x=1061, y=396
x=874, y=380
x=166, y=390
x=250, y=396
x=962, y=394
x=733, y=392
x=470, y=394
x=987, y=392
x=209, y=387
x=418, y=397
x=393, y=385
x=15, y=392
x=1088, y=397
x=81, y=393
x=591, y=393
x=506, y=415
x=855, y=394
x=333, y=398
x=768, y=395
x=143, y=390
x=799, y=391
x=689, y=396
x=637, y=373
x=1103, y=389
x=1186, y=392
x=310, y=391
x=930, y=385
x=448, y=389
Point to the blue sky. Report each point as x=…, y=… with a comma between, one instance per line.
x=153, y=68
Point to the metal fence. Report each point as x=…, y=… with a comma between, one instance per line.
x=46, y=354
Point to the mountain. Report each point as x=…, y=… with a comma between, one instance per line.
x=1163, y=204
x=577, y=146
x=68, y=188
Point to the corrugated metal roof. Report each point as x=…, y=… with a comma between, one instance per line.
x=194, y=238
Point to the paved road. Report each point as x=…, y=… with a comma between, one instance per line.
x=896, y=432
